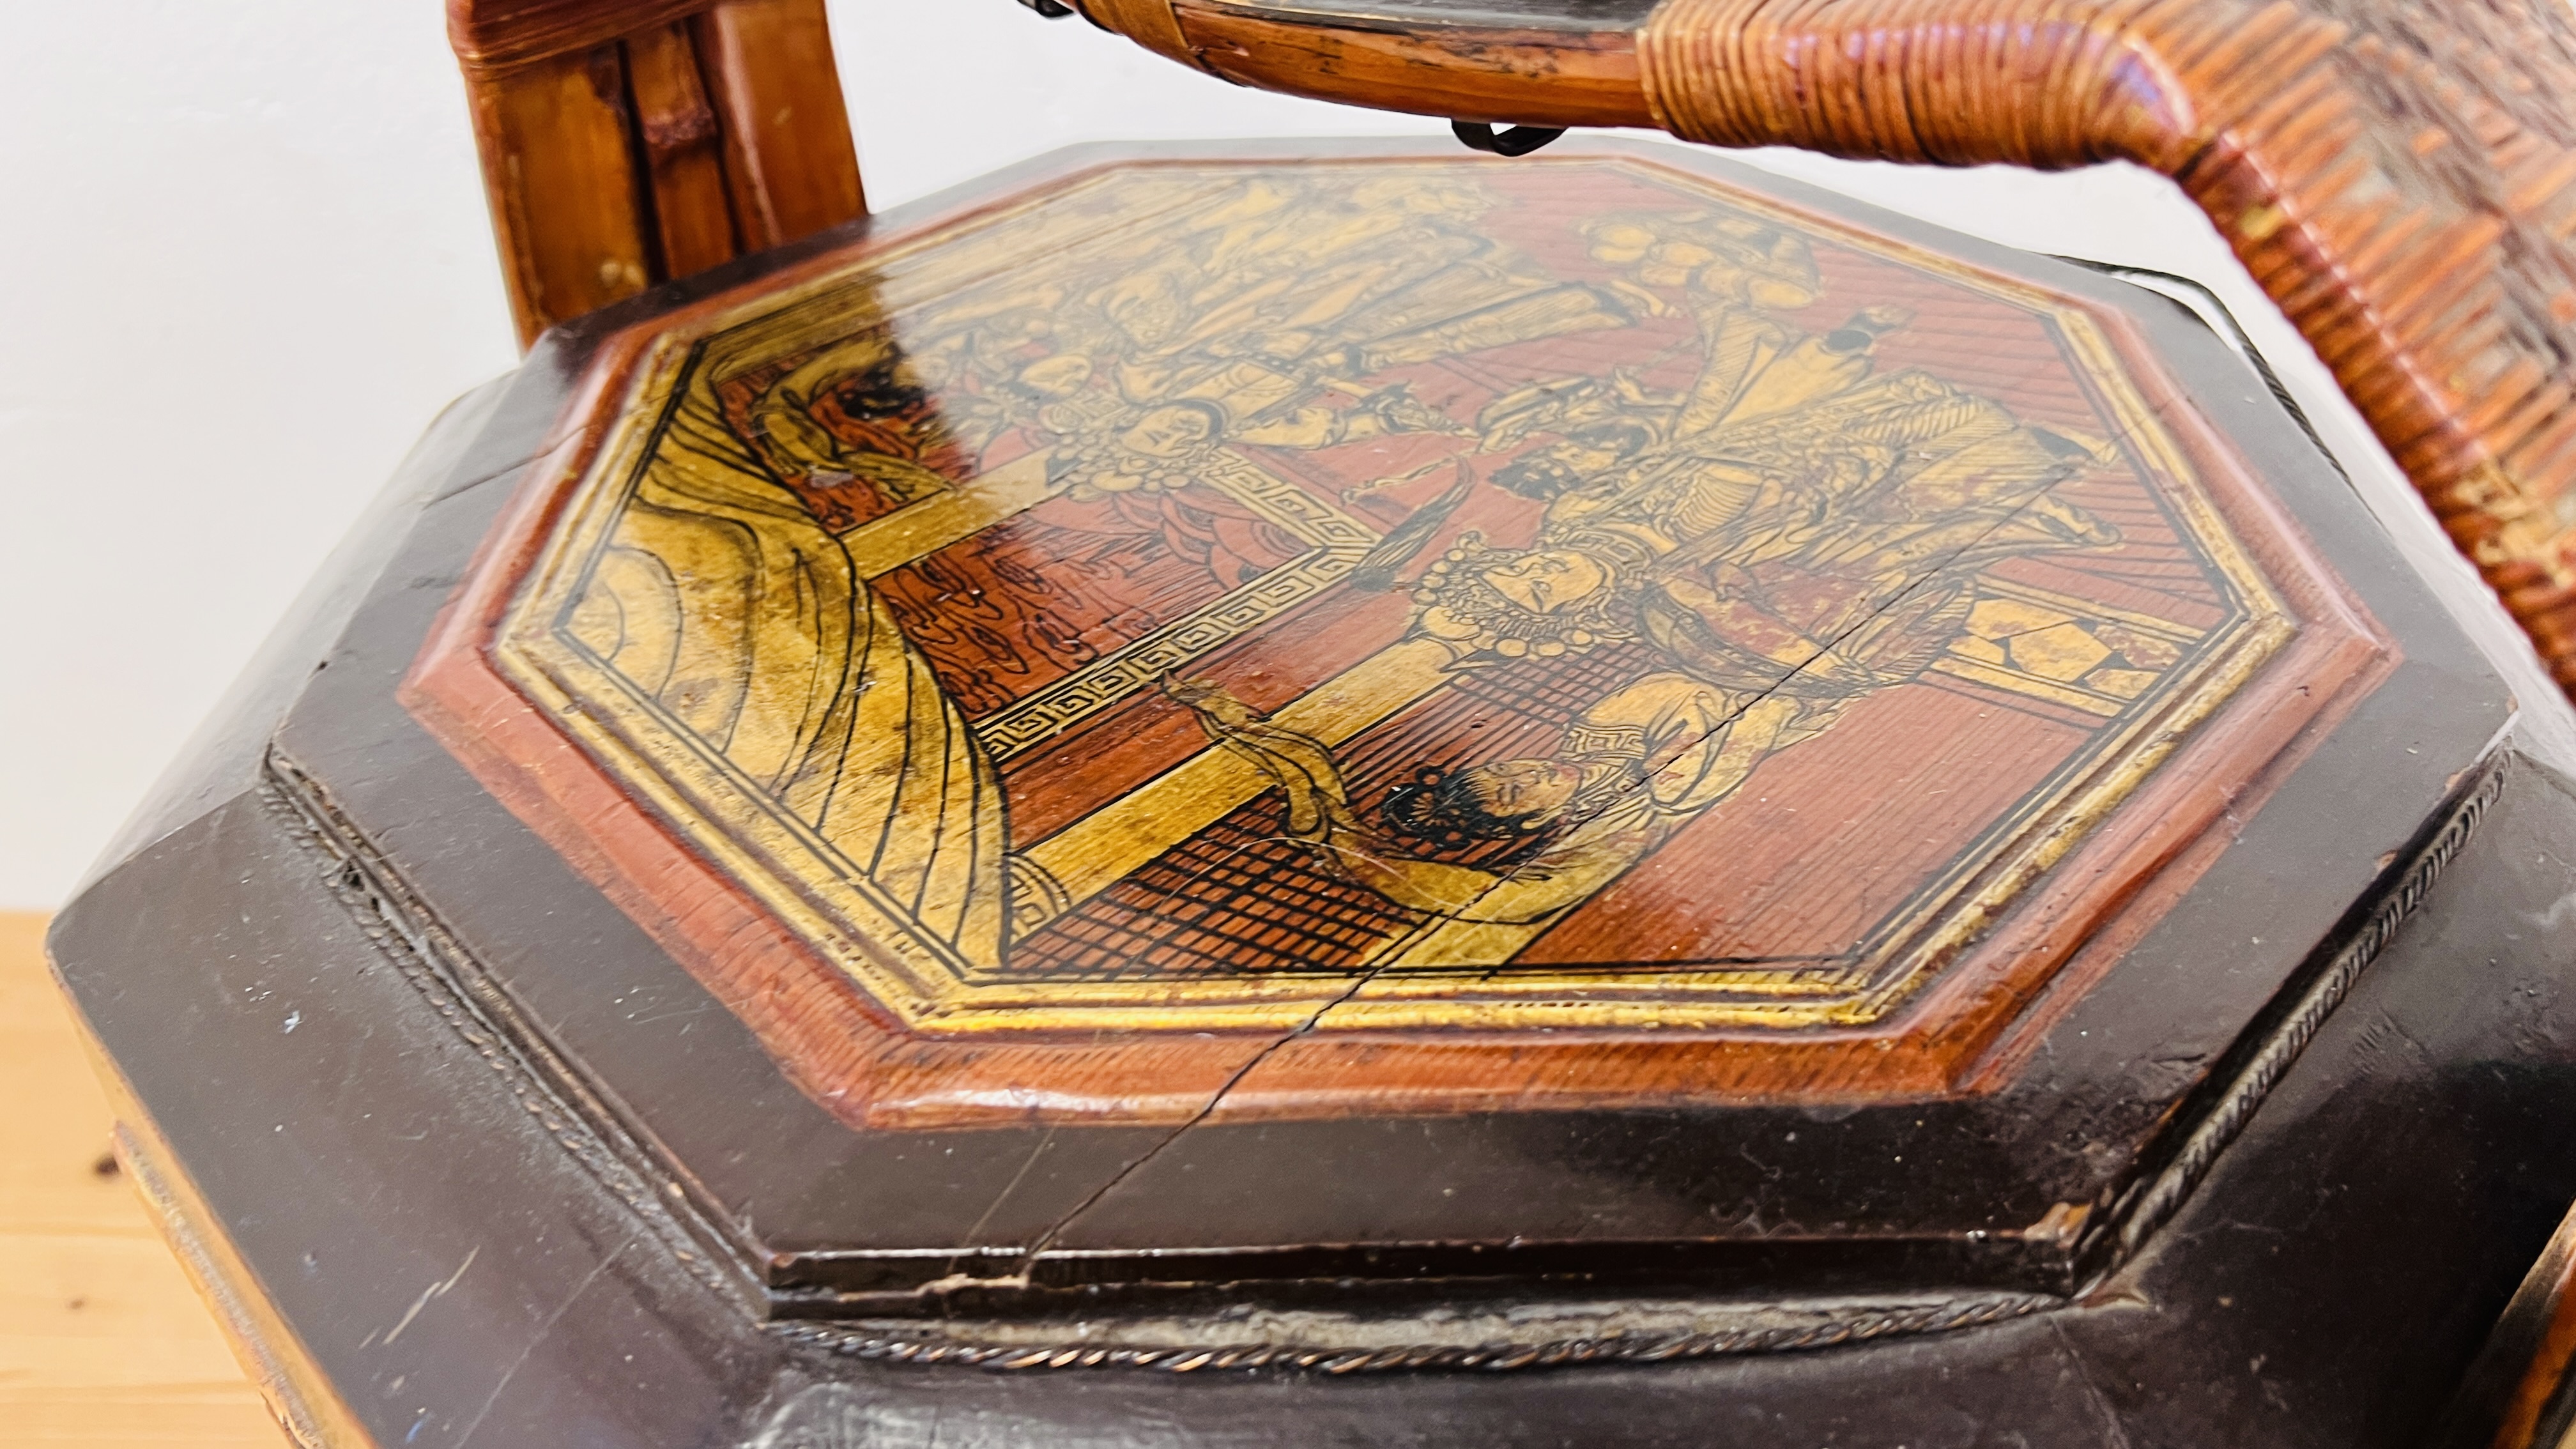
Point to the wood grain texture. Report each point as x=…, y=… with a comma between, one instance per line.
x=1467, y=74
x=494, y=34
x=789, y=155
x=625, y=145
x=560, y=173
x=683, y=153
x=2541, y=1381
x=102, y=1341
x=1150, y=23
x=2400, y=179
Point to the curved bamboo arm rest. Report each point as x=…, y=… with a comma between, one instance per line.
x=2401, y=178
x=627, y=142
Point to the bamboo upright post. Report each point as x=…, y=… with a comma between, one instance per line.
x=625, y=143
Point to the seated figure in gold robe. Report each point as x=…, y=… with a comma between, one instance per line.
x=1836, y=553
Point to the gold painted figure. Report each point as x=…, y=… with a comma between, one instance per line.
x=728, y=602
x=1790, y=531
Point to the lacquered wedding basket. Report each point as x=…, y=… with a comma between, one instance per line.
x=1360, y=793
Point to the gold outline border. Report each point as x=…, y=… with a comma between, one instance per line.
x=1336, y=542
x=839, y=914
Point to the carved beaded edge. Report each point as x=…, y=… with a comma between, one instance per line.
x=399, y=925
x=2161, y=1195
x=1858, y=1327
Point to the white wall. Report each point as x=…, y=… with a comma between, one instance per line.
x=247, y=258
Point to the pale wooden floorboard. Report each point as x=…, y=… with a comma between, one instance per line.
x=102, y=1340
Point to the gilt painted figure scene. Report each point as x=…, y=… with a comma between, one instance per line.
x=1359, y=598
x=1253, y=786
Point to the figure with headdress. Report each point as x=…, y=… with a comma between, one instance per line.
x=1617, y=448
x=1843, y=559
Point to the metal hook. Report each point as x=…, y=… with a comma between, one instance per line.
x=1518, y=141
